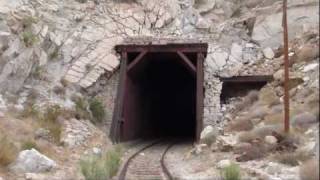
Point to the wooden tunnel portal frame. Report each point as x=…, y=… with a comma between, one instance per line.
x=128, y=63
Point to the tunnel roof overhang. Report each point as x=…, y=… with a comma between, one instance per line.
x=162, y=45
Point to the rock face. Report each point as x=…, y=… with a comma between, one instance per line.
x=32, y=161
x=76, y=132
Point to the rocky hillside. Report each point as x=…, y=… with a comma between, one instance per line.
x=57, y=61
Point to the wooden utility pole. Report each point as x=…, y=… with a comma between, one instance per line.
x=286, y=69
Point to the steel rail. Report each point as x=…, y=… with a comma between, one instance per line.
x=123, y=172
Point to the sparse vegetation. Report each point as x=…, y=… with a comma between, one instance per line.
x=232, y=172
x=29, y=38
x=247, y=136
x=60, y=90
x=30, y=111
x=28, y=21
x=81, y=108
x=8, y=151
x=54, y=54
x=29, y=144
x=39, y=73
x=82, y=1
x=97, y=109
x=95, y=168
x=49, y=120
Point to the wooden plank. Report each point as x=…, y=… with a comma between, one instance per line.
x=265, y=78
x=163, y=48
x=115, y=131
x=200, y=92
x=137, y=60
x=187, y=62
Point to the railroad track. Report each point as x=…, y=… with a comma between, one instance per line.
x=148, y=163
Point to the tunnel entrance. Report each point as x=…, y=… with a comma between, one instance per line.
x=160, y=92
x=240, y=86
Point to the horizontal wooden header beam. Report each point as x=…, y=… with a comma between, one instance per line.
x=264, y=78
x=197, y=47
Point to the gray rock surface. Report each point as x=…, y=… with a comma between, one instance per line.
x=32, y=161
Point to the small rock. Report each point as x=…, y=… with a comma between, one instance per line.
x=270, y=140
x=1, y=114
x=236, y=51
x=223, y=163
x=268, y=53
x=310, y=67
x=32, y=161
x=96, y=151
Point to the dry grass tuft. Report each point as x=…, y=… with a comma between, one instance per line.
x=105, y=167
x=240, y=125
x=29, y=144
x=290, y=158
x=8, y=151
x=309, y=170
x=49, y=120
x=247, y=136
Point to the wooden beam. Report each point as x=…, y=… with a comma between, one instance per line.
x=187, y=62
x=194, y=48
x=200, y=95
x=115, y=130
x=136, y=60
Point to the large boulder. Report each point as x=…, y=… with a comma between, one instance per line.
x=32, y=161
x=208, y=135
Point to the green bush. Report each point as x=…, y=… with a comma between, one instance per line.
x=29, y=144
x=81, y=108
x=231, y=172
x=54, y=54
x=101, y=168
x=97, y=109
x=8, y=151
x=82, y=1
x=29, y=38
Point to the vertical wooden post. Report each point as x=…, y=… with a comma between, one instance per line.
x=286, y=69
x=199, y=108
x=117, y=119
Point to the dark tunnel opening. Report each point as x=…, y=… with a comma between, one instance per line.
x=160, y=98
x=240, y=86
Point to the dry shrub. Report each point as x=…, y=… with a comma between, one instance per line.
x=49, y=120
x=268, y=130
x=306, y=53
x=256, y=151
x=258, y=112
x=309, y=170
x=240, y=125
x=268, y=96
x=276, y=118
x=247, y=136
x=252, y=96
x=290, y=158
x=8, y=151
